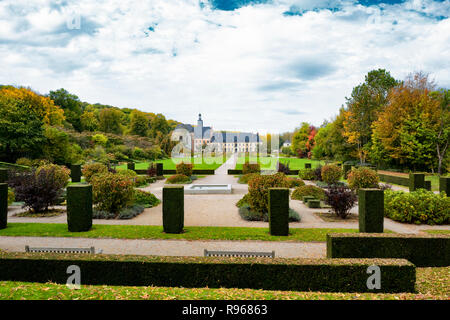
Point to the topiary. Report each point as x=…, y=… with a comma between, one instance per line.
x=112, y=192
x=362, y=178
x=184, y=169
x=178, y=179
x=331, y=174
x=258, y=189
x=295, y=182
x=92, y=169
x=308, y=190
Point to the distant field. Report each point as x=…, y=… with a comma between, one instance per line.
x=209, y=163
x=270, y=163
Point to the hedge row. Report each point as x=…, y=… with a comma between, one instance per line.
x=394, y=179
x=422, y=250
x=332, y=275
x=169, y=171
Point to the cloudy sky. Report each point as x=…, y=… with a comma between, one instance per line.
x=260, y=65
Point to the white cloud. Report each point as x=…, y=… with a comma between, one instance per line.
x=254, y=68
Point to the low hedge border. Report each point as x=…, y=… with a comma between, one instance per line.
x=394, y=179
x=169, y=171
x=423, y=250
x=331, y=275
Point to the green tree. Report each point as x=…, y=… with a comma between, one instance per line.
x=300, y=139
x=158, y=123
x=58, y=148
x=111, y=120
x=89, y=121
x=71, y=105
x=139, y=124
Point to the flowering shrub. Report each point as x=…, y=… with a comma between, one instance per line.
x=362, y=178
x=258, y=189
x=112, y=192
x=306, y=174
x=184, y=169
x=295, y=182
x=341, y=200
x=90, y=170
x=331, y=174
x=246, y=177
x=420, y=206
x=178, y=179
x=251, y=168
x=40, y=188
x=308, y=190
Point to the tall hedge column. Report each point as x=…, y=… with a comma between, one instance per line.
x=444, y=185
x=3, y=205
x=173, y=209
x=130, y=166
x=371, y=210
x=75, y=172
x=279, y=211
x=307, y=165
x=416, y=181
x=3, y=175
x=159, y=169
x=79, y=207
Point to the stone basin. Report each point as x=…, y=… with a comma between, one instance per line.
x=207, y=189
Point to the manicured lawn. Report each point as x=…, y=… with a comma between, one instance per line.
x=156, y=232
x=431, y=283
x=437, y=231
x=270, y=163
x=209, y=163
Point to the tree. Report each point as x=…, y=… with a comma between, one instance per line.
x=139, y=124
x=366, y=100
x=71, y=106
x=110, y=120
x=303, y=140
x=22, y=116
x=158, y=123
x=89, y=121
x=58, y=148
x=443, y=136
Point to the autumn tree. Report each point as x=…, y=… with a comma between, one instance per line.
x=139, y=123
x=110, y=120
x=71, y=105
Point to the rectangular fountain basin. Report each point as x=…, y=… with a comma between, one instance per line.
x=207, y=189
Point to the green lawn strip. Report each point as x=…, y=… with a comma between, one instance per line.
x=431, y=284
x=209, y=163
x=437, y=231
x=270, y=163
x=156, y=232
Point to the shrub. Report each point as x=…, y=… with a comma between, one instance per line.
x=308, y=190
x=39, y=188
x=184, y=169
x=246, y=177
x=331, y=174
x=251, y=168
x=362, y=178
x=112, y=192
x=258, y=189
x=420, y=206
x=11, y=196
x=295, y=182
x=341, y=200
x=140, y=181
x=249, y=215
x=145, y=199
x=283, y=168
x=306, y=174
x=317, y=172
x=24, y=162
x=92, y=169
x=126, y=173
x=125, y=213
x=243, y=201
x=178, y=178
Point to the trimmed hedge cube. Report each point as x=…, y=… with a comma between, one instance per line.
x=159, y=169
x=3, y=205
x=279, y=211
x=75, y=172
x=307, y=165
x=131, y=166
x=3, y=175
x=313, y=203
x=444, y=185
x=345, y=169
x=307, y=198
x=371, y=210
x=428, y=185
x=173, y=209
x=416, y=181
x=79, y=207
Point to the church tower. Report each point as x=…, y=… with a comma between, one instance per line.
x=198, y=130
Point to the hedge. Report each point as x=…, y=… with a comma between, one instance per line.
x=3, y=175
x=79, y=207
x=422, y=250
x=313, y=203
x=3, y=205
x=416, y=181
x=173, y=209
x=131, y=166
x=371, y=210
x=329, y=275
x=444, y=185
x=159, y=169
x=75, y=172
x=170, y=171
x=279, y=211
x=403, y=181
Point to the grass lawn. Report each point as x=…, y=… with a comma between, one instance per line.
x=156, y=232
x=209, y=163
x=437, y=231
x=431, y=283
x=270, y=163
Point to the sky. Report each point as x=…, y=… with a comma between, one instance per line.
x=247, y=65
